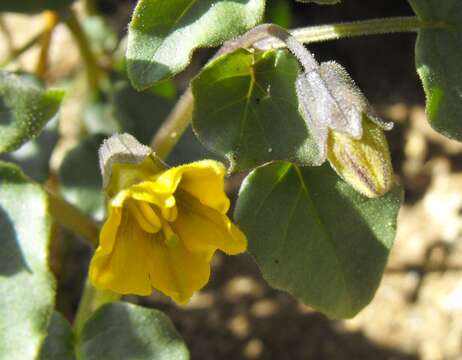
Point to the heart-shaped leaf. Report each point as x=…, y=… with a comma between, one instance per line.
x=120, y=331
x=439, y=63
x=27, y=287
x=163, y=34
x=317, y=238
x=246, y=108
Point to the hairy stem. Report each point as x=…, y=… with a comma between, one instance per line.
x=338, y=31
x=178, y=120
x=92, y=68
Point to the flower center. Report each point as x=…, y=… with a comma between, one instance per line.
x=149, y=220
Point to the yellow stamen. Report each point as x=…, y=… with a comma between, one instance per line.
x=149, y=213
x=147, y=221
x=170, y=213
x=171, y=239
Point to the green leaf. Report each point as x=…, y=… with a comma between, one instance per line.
x=316, y=237
x=320, y=2
x=163, y=34
x=439, y=63
x=80, y=177
x=126, y=110
x=125, y=331
x=59, y=343
x=33, y=6
x=279, y=12
x=139, y=113
x=26, y=284
x=24, y=109
x=33, y=157
x=102, y=38
x=246, y=108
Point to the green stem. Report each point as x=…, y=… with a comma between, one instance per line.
x=91, y=300
x=92, y=68
x=6, y=32
x=343, y=30
x=18, y=52
x=178, y=120
x=176, y=123
x=73, y=219
x=51, y=19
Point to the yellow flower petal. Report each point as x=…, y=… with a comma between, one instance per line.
x=204, y=230
x=176, y=271
x=120, y=262
x=202, y=179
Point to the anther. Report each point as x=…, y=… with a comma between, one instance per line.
x=148, y=221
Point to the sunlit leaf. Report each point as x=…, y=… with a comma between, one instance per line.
x=163, y=34
x=25, y=108
x=120, y=331
x=439, y=63
x=27, y=287
x=246, y=108
x=316, y=237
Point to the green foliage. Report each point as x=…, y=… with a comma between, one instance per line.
x=123, y=109
x=59, y=343
x=278, y=12
x=24, y=109
x=315, y=236
x=120, y=331
x=34, y=156
x=439, y=63
x=33, y=6
x=246, y=108
x=27, y=286
x=80, y=177
x=163, y=34
x=320, y=2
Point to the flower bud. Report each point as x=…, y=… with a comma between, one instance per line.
x=363, y=163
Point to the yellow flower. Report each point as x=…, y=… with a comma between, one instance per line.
x=163, y=227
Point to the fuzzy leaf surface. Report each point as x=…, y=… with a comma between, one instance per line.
x=120, y=331
x=246, y=109
x=25, y=108
x=438, y=61
x=27, y=287
x=163, y=34
x=315, y=237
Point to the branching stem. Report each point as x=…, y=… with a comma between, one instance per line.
x=51, y=19
x=92, y=68
x=178, y=120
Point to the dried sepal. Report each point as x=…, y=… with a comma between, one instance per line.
x=330, y=100
x=124, y=151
